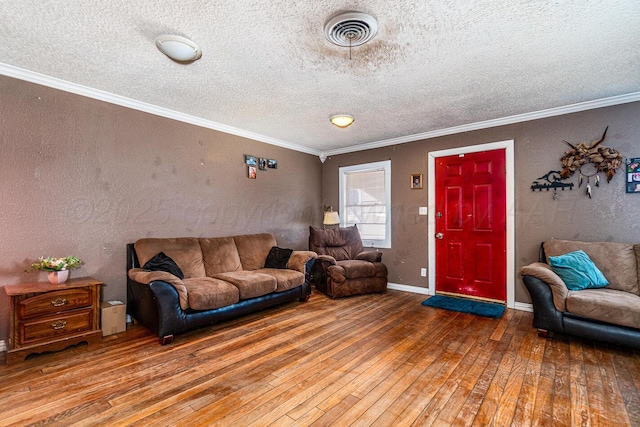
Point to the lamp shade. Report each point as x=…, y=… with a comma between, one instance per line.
x=331, y=218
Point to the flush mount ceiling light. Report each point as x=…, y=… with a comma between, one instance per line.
x=178, y=48
x=342, y=120
x=350, y=29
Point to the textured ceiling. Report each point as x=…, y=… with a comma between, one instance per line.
x=267, y=68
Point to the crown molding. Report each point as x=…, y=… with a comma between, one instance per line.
x=100, y=95
x=518, y=118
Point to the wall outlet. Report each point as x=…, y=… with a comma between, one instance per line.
x=423, y=210
x=423, y=272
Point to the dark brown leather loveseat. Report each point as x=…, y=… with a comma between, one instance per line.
x=610, y=314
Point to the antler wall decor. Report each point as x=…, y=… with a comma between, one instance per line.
x=595, y=155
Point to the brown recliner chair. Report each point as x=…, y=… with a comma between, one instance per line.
x=342, y=267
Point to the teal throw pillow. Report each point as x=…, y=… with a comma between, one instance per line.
x=577, y=271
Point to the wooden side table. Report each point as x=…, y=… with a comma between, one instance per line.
x=46, y=317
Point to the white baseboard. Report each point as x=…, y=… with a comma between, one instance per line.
x=3, y=346
x=522, y=306
x=408, y=288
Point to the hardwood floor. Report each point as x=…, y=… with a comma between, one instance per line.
x=373, y=360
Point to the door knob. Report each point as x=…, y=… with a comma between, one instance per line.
x=439, y=236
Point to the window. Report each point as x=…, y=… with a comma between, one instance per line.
x=365, y=200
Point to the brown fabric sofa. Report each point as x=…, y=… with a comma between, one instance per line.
x=342, y=267
x=610, y=314
x=224, y=277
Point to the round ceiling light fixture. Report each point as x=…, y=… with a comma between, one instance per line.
x=178, y=48
x=349, y=29
x=342, y=120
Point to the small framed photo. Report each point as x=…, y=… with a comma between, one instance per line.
x=262, y=164
x=251, y=172
x=633, y=175
x=272, y=164
x=250, y=160
x=416, y=181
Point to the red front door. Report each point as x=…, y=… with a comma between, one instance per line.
x=471, y=224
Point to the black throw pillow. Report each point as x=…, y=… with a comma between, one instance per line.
x=278, y=258
x=162, y=262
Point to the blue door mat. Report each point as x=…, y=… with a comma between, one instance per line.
x=463, y=305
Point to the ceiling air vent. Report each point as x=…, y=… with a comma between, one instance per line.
x=350, y=29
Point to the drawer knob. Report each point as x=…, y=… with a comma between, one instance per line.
x=58, y=302
x=60, y=324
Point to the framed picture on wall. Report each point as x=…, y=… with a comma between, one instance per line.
x=251, y=172
x=416, y=181
x=633, y=175
x=262, y=164
x=250, y=160
x=272, y=164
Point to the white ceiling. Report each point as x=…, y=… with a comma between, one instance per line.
x=268, y=72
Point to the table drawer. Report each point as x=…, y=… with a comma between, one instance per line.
x=54, y=302
x=55, y=326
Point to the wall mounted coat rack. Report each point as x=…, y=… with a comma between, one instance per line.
x=551, y=181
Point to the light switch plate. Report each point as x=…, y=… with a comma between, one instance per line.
x=423, y=210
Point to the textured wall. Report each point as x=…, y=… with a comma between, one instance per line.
x=612, y=215
x=83, y=177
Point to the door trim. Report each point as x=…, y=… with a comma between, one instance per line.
x=510, y=209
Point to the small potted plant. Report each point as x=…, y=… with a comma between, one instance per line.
x=57, y=268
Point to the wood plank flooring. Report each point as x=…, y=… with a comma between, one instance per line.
x=373, y=360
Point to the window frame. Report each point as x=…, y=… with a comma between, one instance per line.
x=365, y=167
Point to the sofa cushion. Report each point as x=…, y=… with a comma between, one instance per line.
x=286, y=279
x=340, y=243
x=220, y=255
x=185, y=251
x=249, y=283
x=371, y=256
x=253, y=249
x=354, y=269
x=162, y=262
x=206, y=293
x=278, y=257
x=606, y=305
x=577, y=271
x=617, y=261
